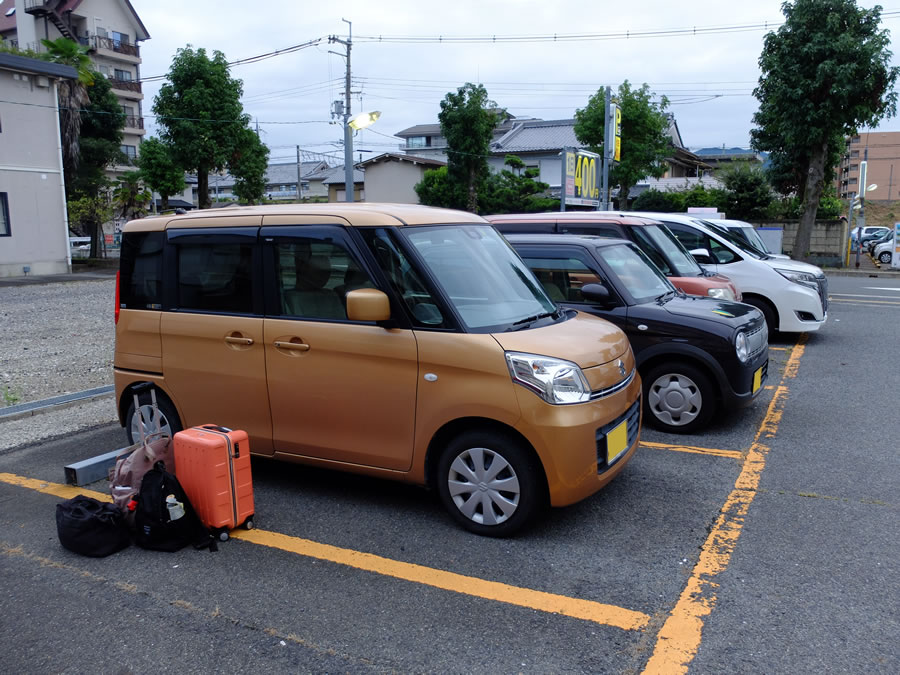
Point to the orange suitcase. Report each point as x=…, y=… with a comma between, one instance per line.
x=212, y=463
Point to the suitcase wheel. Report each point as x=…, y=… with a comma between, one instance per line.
x=223, y=535
x=248, y=524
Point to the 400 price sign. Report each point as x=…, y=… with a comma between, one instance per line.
x=582, y=178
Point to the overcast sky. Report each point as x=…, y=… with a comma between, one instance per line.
x=708, y=77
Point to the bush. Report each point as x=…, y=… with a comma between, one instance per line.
x=656, y=200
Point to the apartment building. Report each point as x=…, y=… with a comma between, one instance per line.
x=110, y=29
x=881, y=149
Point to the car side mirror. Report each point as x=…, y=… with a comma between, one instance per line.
x=702, y=256
x=597, y=293
x=368, y=304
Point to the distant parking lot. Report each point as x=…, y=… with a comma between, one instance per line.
x=767, y=543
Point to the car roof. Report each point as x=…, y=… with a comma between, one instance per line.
x=563, y=239
x=333, y=213
x=569, y=216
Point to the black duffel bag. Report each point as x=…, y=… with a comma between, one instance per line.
x=91, y=527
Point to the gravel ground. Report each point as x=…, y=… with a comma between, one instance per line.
x=56, y=339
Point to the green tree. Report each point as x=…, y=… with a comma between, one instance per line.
x=73, y=94
x=645, y=139
x=86, y=216
x=130, y=196
x=748, y=193
x=825, y=73
x=200, y=115
x=436, y=189
x=159, y=171
x=248, y=166
x=468, y=119
x=656, y=200
x=515, y=190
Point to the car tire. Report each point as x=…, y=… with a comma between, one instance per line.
x=768, y=313
x=490, y=483
x=678, y=398
x=884, y=257
x=169, y=421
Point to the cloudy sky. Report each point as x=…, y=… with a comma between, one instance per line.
x=702, y=55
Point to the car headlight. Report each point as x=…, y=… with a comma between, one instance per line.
x=802, y=278
x=554, y=380
x=740, y=346
x=721, y=293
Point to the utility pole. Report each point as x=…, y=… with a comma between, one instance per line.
x=299, y=183
x=604, y=206
x=348, y=132
x=861, y=221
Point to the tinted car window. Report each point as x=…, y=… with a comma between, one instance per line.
x=215, y=277
x=140, y=280
x=562, y=277
x=643, y=281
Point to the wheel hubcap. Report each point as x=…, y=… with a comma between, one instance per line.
x=675, y=399
x=149, y=423
x=484, y=486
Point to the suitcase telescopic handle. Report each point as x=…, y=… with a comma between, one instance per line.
x=216, y=427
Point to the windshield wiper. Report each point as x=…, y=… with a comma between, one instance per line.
x=665, y=297
x=522, y=323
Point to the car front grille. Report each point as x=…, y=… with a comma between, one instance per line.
x=822, y=283
x=757, y=341
x=633, y=415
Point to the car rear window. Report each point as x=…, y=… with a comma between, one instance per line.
x=140, y=275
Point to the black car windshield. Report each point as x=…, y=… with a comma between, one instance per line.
x=641, y=278
x=680, y=262
x=735, y=240
x=484, y=279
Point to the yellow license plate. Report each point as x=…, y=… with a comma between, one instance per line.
x=616, y=442
x=757, y=379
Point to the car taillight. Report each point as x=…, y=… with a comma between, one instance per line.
x=117, y=296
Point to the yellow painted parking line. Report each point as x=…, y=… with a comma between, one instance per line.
x=733, y=454
x=867, y=302
x=588, y=610
x=679, y=638
x=778, y=349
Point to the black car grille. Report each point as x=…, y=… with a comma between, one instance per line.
x=633, y=415
x=822, y=283
x=757, y=341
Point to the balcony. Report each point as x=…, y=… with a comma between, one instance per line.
x=125, y=85
x=111, y=45
x=134, y=122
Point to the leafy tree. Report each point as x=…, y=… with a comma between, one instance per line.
x=748, y=193
x=248, y=166
x=514, y=190
x=645, y=141
x=825, y=73
x=200, y=115
x=73, y=94
x=86, y=216
x=159, y=171
x=656, y=200
x=436, y=189
x=468, y=119
x=130, y=196
x=100, y=141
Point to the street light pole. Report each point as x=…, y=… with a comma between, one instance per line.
x=348, y=132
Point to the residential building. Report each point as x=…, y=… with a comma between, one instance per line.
x=722, y=157
x=34, y=231
x=336, y=180
x=281, y=182
x=881, y=149
x=538, y=144
x=392, y=177
x=110, y=29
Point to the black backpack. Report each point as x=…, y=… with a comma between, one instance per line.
x=155, y=526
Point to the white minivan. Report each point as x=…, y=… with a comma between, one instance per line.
x=792, y=295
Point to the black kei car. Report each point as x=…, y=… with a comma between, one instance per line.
x=695, y=355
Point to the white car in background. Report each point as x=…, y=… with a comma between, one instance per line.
x=884, y=252
x=748, y=233
x=792, y=295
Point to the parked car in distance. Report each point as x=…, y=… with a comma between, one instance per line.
x=887, y=235
x=868, y=232
x=666, y=252
x=748, y=233
x=398, y=341
x=884, y=252
x=792, y=295
x=695, y=355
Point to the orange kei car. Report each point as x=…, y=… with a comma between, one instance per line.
x=397, y=341
x=651, y=236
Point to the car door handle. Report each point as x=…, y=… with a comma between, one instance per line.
x=231, y=339
x=296, y=346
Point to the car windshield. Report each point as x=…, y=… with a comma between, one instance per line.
x=487, y=283
x=642, y=279
x=752, y=236
x=680, y=262
x=735, y=240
